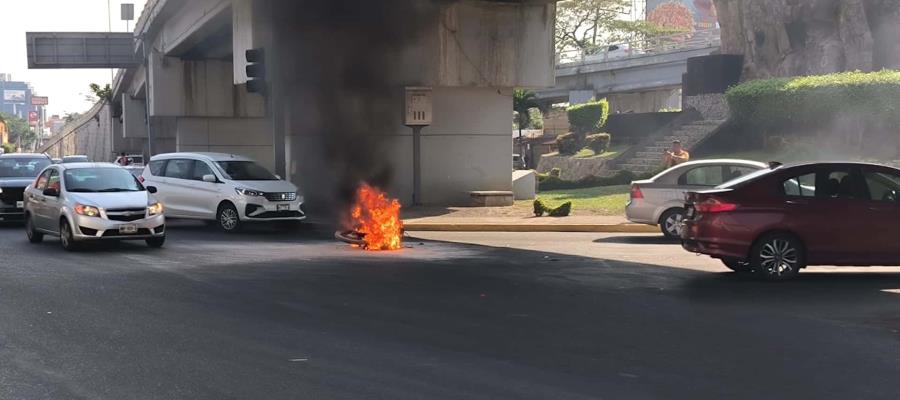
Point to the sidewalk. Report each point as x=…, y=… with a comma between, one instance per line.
x=512, y=219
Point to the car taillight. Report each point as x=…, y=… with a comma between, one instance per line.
x=636, y=192
x=714, y=205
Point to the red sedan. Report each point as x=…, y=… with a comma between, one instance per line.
x=777, y=221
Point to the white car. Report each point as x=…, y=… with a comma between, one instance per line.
x=660, y=200
x=225, y=188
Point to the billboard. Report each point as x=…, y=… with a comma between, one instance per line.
x=40, y=100
x=33, y=117
x=14, y=95
x=690, y=15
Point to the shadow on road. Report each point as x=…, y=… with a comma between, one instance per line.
x=655, y=239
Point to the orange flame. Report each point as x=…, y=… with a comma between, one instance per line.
x=377, y=219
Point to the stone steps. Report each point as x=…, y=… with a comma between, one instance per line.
x=650, y=158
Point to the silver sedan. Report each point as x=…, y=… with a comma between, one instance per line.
x=92, y=201
x=660, y=200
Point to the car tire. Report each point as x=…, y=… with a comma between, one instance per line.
x=227, y=218
x=670, y=223
x=33, y=235
x=67, y=237
x=736, y=265
x=156, y=242
x=777, y=257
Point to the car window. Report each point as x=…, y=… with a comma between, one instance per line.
x=53, y=180
x=157, y=167
x=41, y=182
x=837, y=185
x=22, y=167
x=803, y=185
x=179, y=169
x=201, y=169
x=244, y=171
x=704, y=176
x=735, y=172
x=101, y=180
x=883, y=186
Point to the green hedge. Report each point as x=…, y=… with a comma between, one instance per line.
x=567, y=143
x=588, y=117
x=547, y=182
x=598, y=142
x=816, y=101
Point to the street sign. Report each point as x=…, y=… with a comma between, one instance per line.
x=417, y=106
x=40, y=100
x=33, y=117
x=80, y=50
x=127, y=12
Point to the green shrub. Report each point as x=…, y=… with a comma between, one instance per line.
x=561, y=211
x=588, y=117
x=539, y=207
x=598, y=142
x=812, y=102
x=567, y=143
x=620, y=178
x=8, y=148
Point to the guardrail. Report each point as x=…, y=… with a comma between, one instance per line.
x=657, y=45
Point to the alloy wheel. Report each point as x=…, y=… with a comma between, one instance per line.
x=228, y=218
x=674, y=224
x=779, y=257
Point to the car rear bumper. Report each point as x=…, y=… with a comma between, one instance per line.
x=640, y=212
x=698, y=238
x=91, y=228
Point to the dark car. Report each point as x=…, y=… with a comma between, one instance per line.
x=777, y=221
x=17, y=171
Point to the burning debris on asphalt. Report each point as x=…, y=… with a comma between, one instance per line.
x=374, y=221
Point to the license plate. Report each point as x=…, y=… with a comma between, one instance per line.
x=20, y=204
x=127, y=229
x=284, y=207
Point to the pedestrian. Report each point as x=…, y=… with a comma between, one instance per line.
x=676, y=155
x=122, y=160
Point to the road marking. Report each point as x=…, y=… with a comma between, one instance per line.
x=298, y=359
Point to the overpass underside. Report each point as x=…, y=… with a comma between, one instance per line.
x=335, y=75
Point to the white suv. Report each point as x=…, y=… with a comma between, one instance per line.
x=225, y=188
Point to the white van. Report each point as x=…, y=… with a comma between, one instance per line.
x=225, y=188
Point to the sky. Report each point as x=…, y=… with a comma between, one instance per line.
x=66, y=88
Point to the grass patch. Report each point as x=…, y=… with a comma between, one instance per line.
x=601, y=200
x=612, y=152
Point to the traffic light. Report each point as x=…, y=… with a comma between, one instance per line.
x=256, y=70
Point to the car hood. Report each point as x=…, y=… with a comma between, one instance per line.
x=267, y=186
x=15, y=182
x=113, y=201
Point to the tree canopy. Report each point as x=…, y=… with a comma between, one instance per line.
x=586, y=25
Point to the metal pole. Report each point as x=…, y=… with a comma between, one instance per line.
x=417, y=164
x=147, y=96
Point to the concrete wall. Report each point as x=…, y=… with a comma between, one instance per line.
x=245, y=136
x=90, y=135
x=644, y=102
x=199, y=89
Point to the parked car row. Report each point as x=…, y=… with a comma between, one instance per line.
x=83, y=201
x=775, y=220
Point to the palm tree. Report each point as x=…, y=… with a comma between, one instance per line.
x=523, y=101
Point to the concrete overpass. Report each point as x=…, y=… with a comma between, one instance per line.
x=335, y=73
x=642, y=79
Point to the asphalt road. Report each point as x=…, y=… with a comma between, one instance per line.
x=294, y=315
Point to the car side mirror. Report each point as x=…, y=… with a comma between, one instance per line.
x=151, y=189
x=210, y=178
x=51, y=192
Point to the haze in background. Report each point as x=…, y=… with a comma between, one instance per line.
x=66, y=88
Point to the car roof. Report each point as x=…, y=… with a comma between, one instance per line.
x=24, y=155
x=202, y=155
x=834, y=164
x=79, y=165
x=668, y=175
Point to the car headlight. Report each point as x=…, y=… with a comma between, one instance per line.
x=248, y=192
x=155, y=209
x=1, y=190
x=87, y=211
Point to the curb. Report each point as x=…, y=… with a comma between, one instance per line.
x=487, y=227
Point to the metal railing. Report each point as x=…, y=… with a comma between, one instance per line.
x=638, y=48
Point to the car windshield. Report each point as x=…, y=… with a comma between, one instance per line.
x=101, y=180
x=23, y=167
x=746, y=178
x=245, y=171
